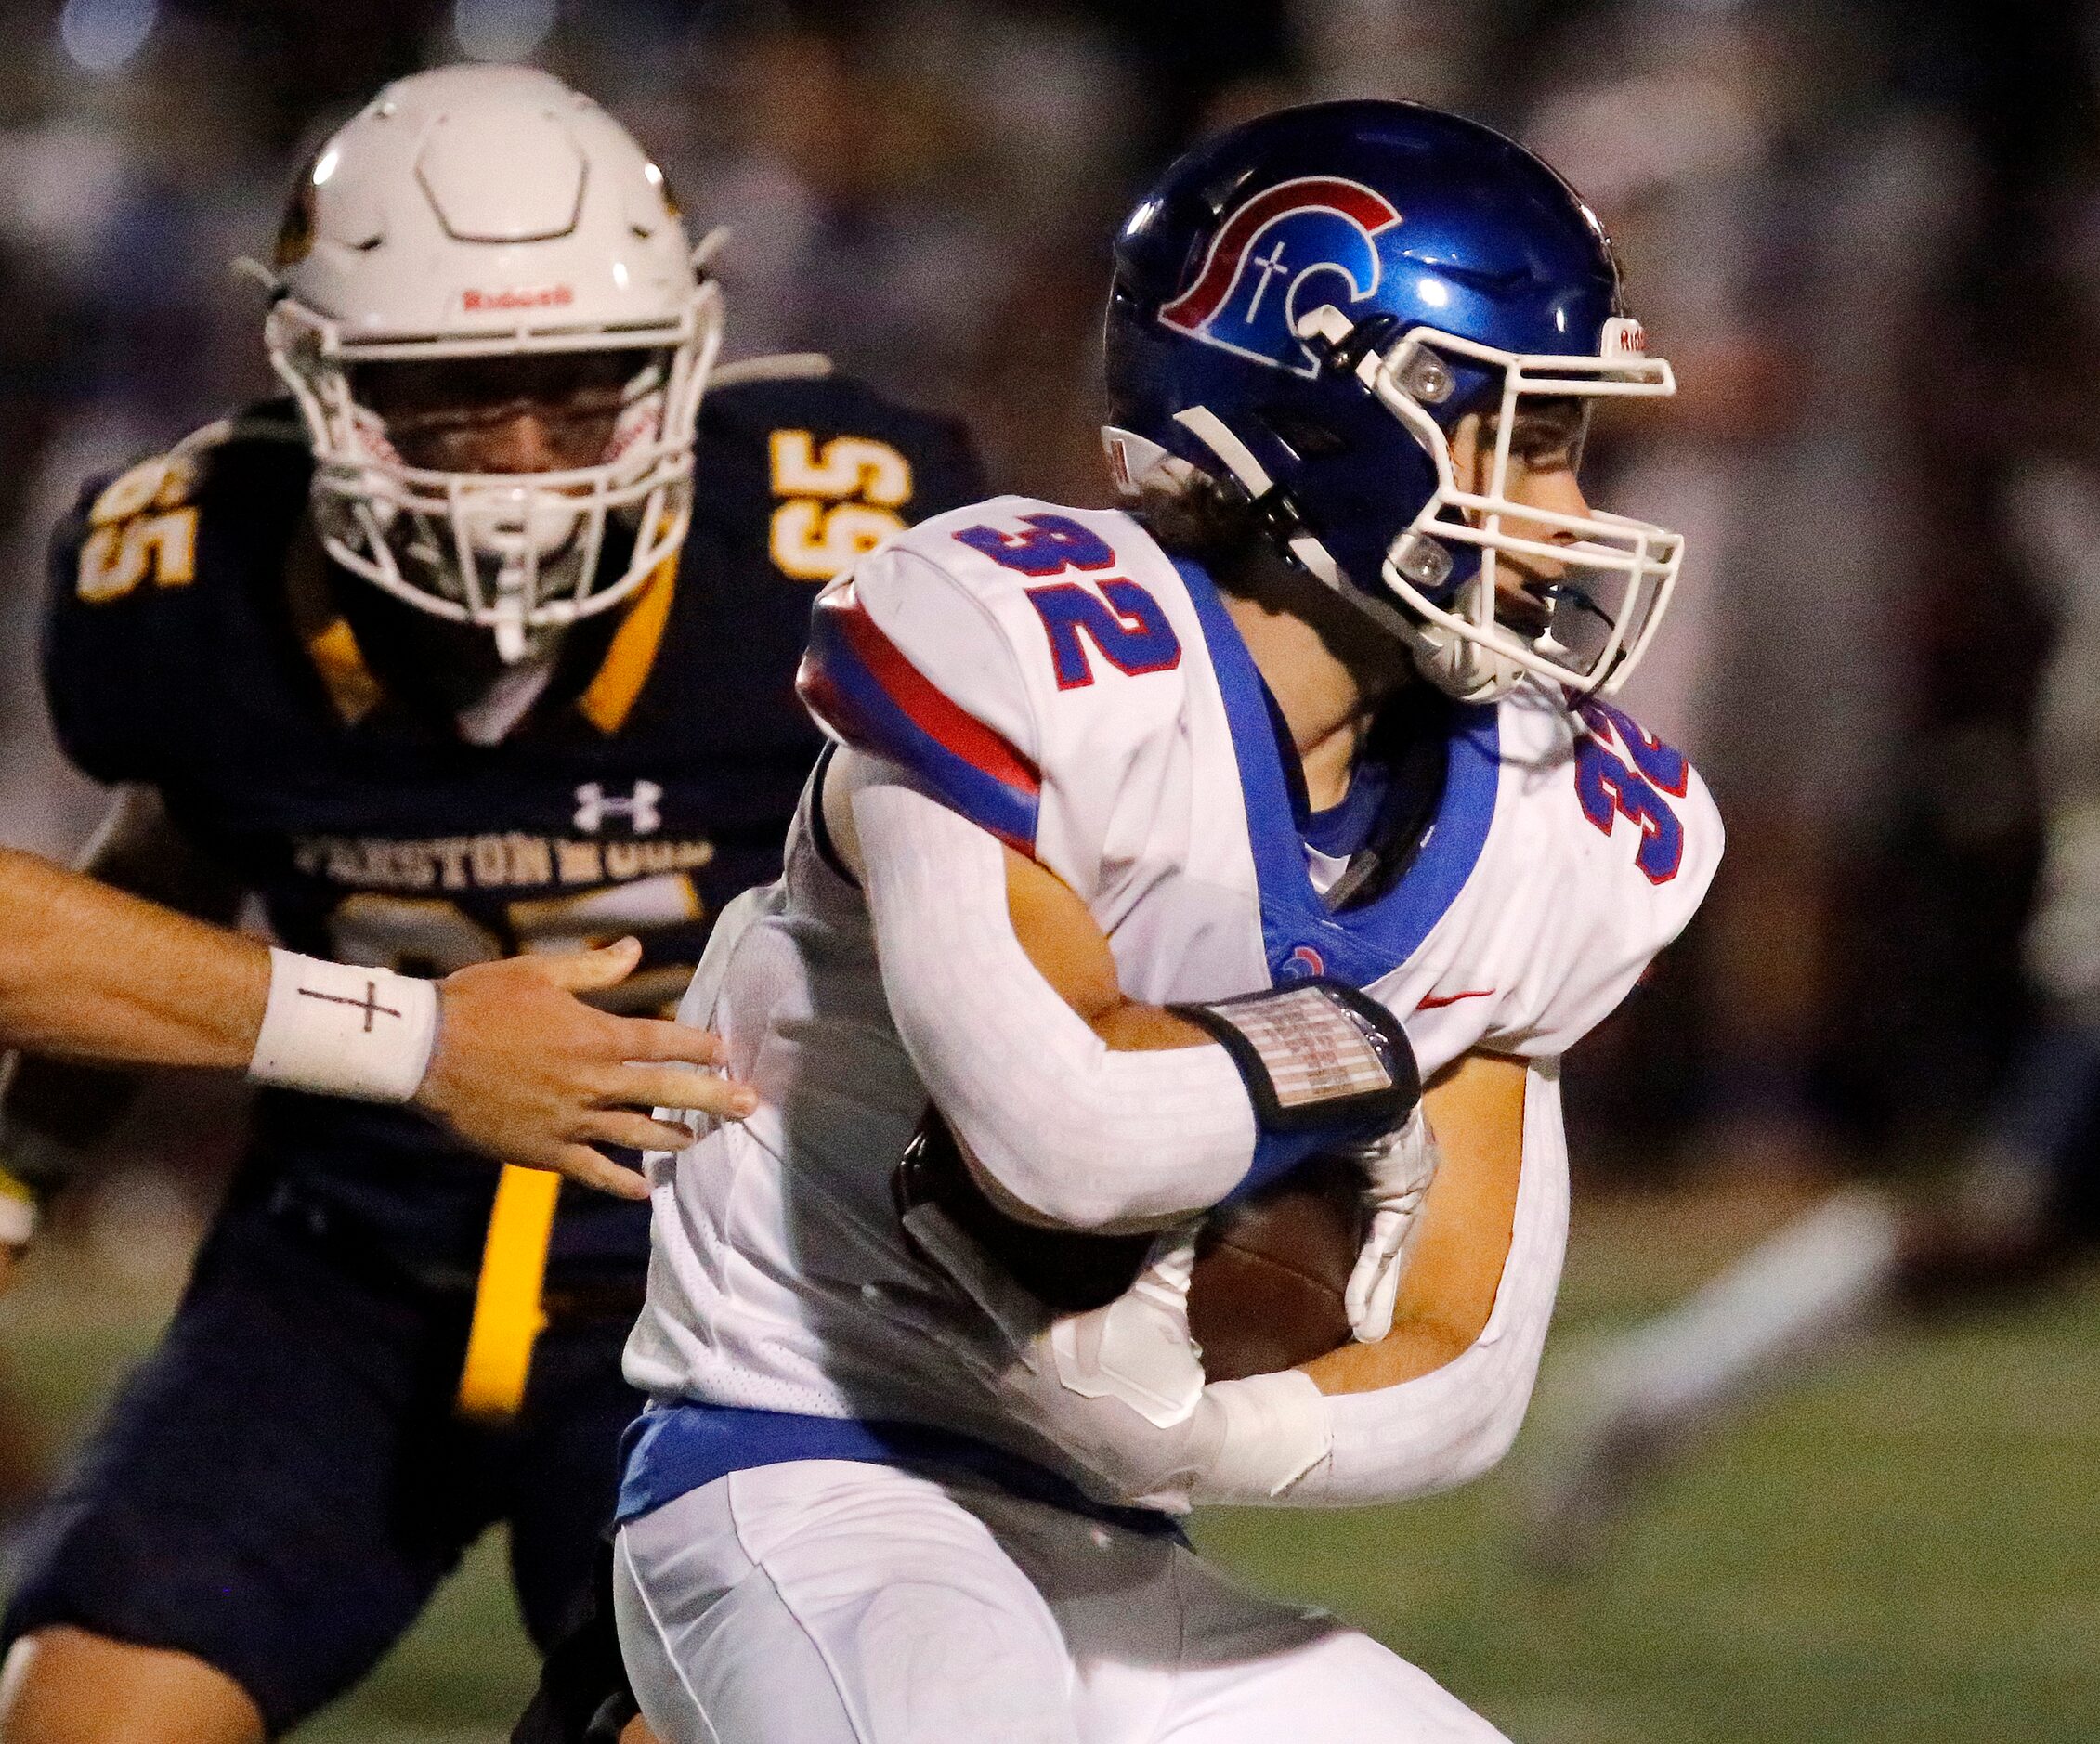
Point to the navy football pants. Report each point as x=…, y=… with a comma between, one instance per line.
x=281, y=1486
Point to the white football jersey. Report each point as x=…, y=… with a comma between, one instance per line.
x=1053, y=675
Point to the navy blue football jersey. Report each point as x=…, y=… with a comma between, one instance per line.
x=198, y=642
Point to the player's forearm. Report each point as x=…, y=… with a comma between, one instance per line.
x=1081, y=1134
x=59, y=1111
x=1451, y=1425
x=1411, y=1349
x=1068, y=950
x=1076, y=1133
x=1456, y=1268
x=1438, y=1400
x=87, y=972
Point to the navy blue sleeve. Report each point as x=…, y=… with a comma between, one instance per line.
x=945, y=468
x=100, y=693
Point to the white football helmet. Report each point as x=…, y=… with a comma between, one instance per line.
x=492, y=212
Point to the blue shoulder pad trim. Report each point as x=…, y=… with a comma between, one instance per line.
x=860, y=687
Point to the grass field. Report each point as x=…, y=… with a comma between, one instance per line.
x=1906, y=1548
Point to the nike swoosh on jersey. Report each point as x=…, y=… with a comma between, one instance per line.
x=1437, y=1001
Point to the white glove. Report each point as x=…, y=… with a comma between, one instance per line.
x=1118, y=1389
x=1136, y=1348
x=1402, y=1167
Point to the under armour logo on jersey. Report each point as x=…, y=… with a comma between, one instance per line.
x=593, y=805
x=1311, y=228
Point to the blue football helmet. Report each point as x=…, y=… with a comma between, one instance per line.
x=1310, y=304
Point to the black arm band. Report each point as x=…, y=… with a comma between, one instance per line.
x=1315, y=1054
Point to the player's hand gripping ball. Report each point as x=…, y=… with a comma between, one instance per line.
x=1270, y=1286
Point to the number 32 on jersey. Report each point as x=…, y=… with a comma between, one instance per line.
x=1124, y=623
x=1624, y=771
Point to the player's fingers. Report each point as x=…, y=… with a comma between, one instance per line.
x=594, y=1168
x=664, y=1136
x=637, y=1132
x=1353, y=1294
x=1365, y=1326
x=1378, y=1288
x=592, y=971
x=1374, y=1282
x=676, y=1086
x=656, y=1038
x=1385, y=1294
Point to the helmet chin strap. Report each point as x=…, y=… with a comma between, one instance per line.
x=1237, y=459
x=509, y=625
x=1462, y=670
x=1455, y=666
x=519, y=528
x=1135, y=462
x=519, y=576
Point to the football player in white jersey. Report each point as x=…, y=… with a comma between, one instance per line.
x=1165, y=850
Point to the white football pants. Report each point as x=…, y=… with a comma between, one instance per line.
x=822, y=1602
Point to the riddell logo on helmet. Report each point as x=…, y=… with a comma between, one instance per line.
x=1622, y=337
x=553, y=296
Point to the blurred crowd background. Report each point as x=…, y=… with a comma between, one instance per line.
x=1868, y=235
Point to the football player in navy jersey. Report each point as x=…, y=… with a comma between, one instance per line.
x=481, y=643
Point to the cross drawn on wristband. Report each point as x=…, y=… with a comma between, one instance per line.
x=368, y=1005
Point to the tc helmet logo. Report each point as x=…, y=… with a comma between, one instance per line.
x=1303, y=963
x=1257, y=278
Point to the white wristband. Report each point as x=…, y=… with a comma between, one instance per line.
x=342, y=1029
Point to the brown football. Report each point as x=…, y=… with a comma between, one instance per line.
x=1270, y=1272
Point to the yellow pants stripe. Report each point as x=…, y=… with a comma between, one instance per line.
x=507, y=1312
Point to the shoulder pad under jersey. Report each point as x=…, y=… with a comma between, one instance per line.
x=988, y=651
x=145, y=556
x=1606, y=842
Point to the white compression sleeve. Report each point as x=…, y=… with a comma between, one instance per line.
x=1452, y=1424
x=1085, y=1136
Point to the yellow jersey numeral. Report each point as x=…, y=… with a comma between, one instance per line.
x=141, y=526
x=840, y=500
